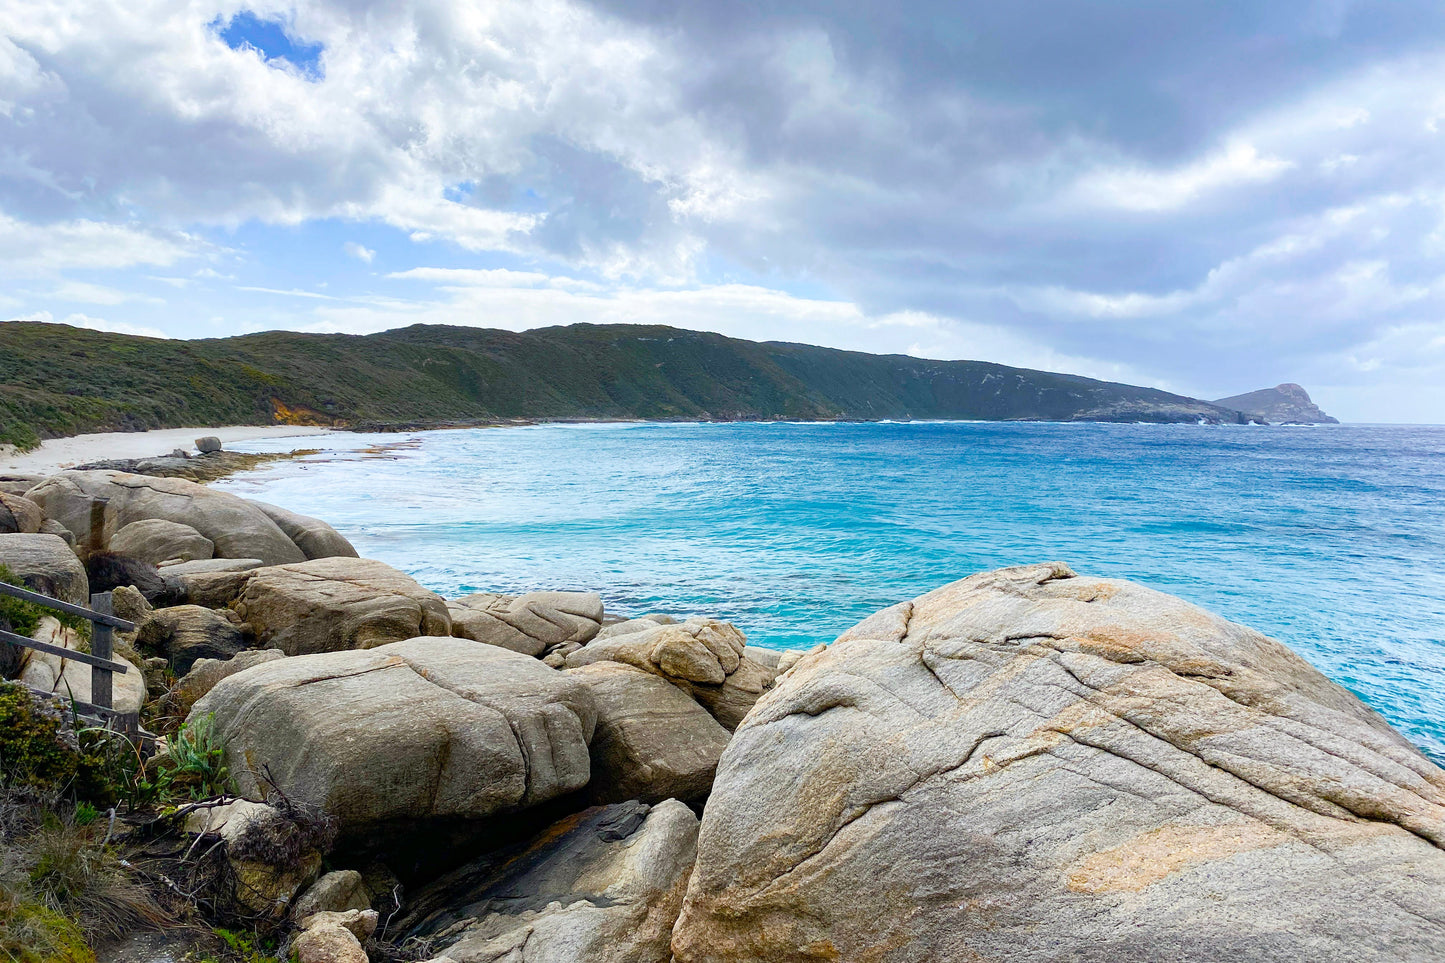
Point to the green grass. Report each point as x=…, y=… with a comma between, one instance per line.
x=57, y=380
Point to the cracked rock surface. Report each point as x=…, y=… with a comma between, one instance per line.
x=530, y=623
x=425, y=728
x=602, y=886
x=1028, y=765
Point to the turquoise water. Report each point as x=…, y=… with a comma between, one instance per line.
x=1329, y=539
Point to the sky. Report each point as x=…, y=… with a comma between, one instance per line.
x=1208, y=197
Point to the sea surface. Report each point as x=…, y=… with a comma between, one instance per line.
x=1330, y=539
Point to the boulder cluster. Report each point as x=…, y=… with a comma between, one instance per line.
x=1027, y=764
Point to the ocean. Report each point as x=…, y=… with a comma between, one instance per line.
x=1330, y=539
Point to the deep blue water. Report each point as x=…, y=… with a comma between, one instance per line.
x=1329, y=539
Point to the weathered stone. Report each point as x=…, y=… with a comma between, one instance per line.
x=128, y=603
x=327, y=943
x=334, y=604
x=205, y=673
x=19, y=514
x=652, y=742
x=212, y=589
x=70, y=679
x=205, y=566
x=207, y=444
x=313, y=536
x=767, y=658
x=334, y=893
x=51, y=527
x=603, y=886
x=703, y=657
x=185, y=633
x=429, y=727
x=529, y=623
x=1032, y=766
x=46, y=557
x=238, y=529
x=359, y=922
x=627, y=626
x=156, y=540
x=18, y=483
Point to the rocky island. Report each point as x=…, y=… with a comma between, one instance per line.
x=1028, y=764
x=1287, y=404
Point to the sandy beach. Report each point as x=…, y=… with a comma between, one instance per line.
x=59, y=453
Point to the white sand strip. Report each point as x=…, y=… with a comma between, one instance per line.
x=58, y=453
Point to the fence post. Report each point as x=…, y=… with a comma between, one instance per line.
x=100, y=647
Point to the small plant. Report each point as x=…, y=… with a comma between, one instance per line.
x=242, y=947
x=85, y=814
x=197, y=760
x=39, y=749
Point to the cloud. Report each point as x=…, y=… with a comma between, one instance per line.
x=28, y=248
x=1074, y=183
x=360, y=252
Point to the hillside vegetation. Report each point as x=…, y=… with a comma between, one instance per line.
x=57, y=380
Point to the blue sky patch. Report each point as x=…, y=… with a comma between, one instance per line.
x=270, y=37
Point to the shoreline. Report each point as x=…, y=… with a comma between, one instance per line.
x=57, y=454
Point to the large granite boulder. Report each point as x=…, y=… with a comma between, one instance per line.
x=111, y=500
x=652, y=742
x=156, y=540
x=428, y=727
x=1028, y=765
x=530, y=623
x=703, y=657
x=183, y=634
x=19, y=514
x=46, y=564
x=331, y=604
x=603, y=886
x=313, y=536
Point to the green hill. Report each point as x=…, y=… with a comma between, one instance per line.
x=57, y=380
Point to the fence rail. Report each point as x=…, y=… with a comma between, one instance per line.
x=100, y=658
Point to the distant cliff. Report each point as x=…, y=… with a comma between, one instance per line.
x=1283, y=404
x=57, y=380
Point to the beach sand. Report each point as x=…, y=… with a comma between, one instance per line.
x=59, y=453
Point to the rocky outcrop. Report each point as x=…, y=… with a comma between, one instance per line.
x=330, y=605
x=1283, y=404
x=1029, y=765
x=314, y=537
x=703, y=657
x=414, y=730
x=331, y=937
x=183, y=634
x=47, y=565
x=639, y=624
x=603, y=886
x=156, y=540
x=336, y=892
x=531, y=623
x=652, y=742
x=94, y=505
x=19, y=515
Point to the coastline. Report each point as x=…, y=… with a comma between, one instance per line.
x=56, y=454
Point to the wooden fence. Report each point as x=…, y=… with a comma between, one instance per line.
x=100, y=658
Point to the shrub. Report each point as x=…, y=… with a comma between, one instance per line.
x=37, y=748
x=24, y=617
x=197, y=760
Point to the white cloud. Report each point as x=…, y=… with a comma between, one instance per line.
x=97, y=294
x=359, y=251
x=1143, y=189
x=32, y=248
